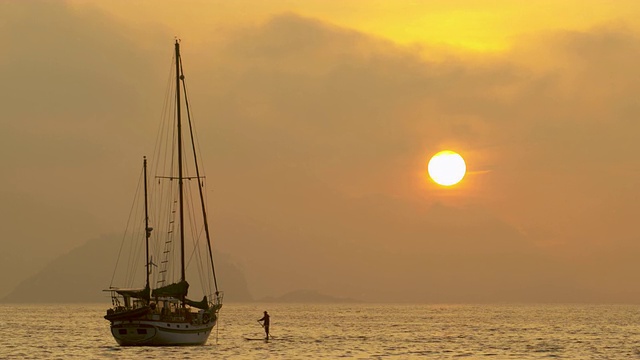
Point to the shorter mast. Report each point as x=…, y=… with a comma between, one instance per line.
x=147, y=229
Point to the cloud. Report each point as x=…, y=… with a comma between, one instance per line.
x=74, y=90
x=315, y=137
x=357, y=120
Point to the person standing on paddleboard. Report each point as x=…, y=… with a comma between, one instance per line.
x=265, y=318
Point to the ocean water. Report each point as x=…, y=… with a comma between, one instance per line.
x=352, y=331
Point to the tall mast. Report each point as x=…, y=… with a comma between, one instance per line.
x=147, y=229
x=178, y=112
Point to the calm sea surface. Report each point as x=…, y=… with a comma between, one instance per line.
x=344, y=331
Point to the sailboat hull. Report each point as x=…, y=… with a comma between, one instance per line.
x=157, y=333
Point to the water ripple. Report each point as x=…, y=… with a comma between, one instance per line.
x=344, y=331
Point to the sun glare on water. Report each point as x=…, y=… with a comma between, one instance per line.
x=447, y=168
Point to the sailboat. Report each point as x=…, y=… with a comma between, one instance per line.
x=160, y=313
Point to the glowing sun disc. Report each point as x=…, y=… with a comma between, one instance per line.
x=447, y=168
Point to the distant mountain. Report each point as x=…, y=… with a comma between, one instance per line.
x=307, y=296
x=82, y=274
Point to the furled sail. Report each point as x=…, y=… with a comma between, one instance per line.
x=176, y=290
x=203, y=304
x=135, y=293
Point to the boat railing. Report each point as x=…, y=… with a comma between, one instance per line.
x=218, y=298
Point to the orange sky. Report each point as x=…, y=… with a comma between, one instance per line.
x=319, y=119
x=468, y=24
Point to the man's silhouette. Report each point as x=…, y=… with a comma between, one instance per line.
x=265, y=318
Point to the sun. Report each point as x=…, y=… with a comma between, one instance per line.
x=447, y=168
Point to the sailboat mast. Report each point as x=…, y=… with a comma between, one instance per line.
x=180, y=185
x=147, y=230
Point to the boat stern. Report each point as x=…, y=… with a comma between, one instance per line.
x=133, y=334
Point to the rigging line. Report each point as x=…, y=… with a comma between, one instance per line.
x=159, y=165
x=165, y=153
x=206, y=277
x=204, y=211
x=133, y=265
x=165, y=163
x=167, y=188
x=169, y=240
x=160, y=155
x=192, y=124
x=210, y=270
x=126, y=228
x=166, y=207
x=172, y=237
x=135, y=246
x=195, y=230
x=204, y=267
x=217, y=324
x=152, y=238
x=192, y=224
x=163, y=115
x=152, y=244
x=195, y=236
x=162, y=232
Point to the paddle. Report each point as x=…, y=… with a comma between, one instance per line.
x=270, y=336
